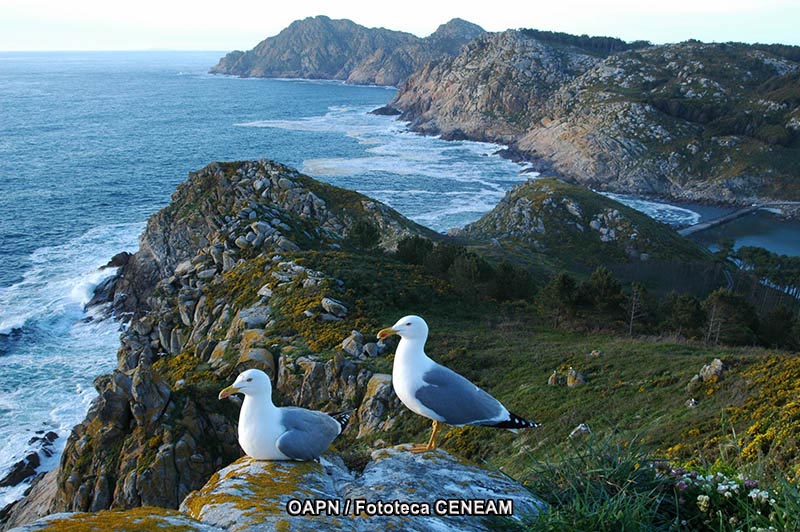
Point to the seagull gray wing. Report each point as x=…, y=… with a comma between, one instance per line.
x=456, y=400
x=308, y=433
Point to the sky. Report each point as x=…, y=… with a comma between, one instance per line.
x=241, y=24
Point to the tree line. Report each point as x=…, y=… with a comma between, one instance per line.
x=602, y=301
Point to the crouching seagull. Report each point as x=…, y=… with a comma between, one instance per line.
x=268, y=432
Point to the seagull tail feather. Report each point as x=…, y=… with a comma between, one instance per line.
x=515, y=422
x=343, y=418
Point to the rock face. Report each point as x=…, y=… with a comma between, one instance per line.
x=321, y=48
x=229, y=212
x=250, y=495
x=147, y=518
x=213, y=291
x=571, y=223
x=690, y=120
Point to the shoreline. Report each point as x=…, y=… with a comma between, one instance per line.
x=541, y=165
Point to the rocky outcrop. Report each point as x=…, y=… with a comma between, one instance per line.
x=37, y=503
x=250, y=495
x=321, y=48
x=691, y=121
x=147, y=518
x=229, y=212
x=491, y=90
x=223, y=281
x=571, y=223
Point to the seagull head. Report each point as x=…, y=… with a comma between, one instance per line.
x=251, y=382
x=408, y=328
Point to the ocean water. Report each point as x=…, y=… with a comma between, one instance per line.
x=91, y=144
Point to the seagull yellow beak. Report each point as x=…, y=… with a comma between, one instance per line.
x=386, y=333
x=230, y=390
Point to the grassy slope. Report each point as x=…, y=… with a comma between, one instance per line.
x=636, y=388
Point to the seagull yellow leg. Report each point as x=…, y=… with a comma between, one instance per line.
x=431, y=445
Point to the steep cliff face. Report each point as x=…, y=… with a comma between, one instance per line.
x=231, y=275
x=716, y=122
x=321, y=48
x=491, y=90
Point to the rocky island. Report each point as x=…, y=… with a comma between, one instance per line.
x=321, y=48
x=689, y=121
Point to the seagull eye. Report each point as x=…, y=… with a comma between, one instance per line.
x=250, y=379
x=408, y=324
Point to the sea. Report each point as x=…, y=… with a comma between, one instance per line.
x=93, y=143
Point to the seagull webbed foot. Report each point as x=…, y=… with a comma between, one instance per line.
x=431, y=445
x=421, y=448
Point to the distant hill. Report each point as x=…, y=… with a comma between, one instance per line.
x=322, y=48
x=718, y=122
x=548, y=220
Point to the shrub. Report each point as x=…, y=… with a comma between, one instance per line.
x=363, y=235
x=413, y=250
x=607, y=486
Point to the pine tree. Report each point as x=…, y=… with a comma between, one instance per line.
x=731, y=319
x=557, y=299
x=636, y=305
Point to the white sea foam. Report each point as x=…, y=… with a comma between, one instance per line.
x=51, y=353
x=403, y=169
x=663, y=212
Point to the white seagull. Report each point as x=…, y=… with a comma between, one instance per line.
x=439, y=393
x=267, y=432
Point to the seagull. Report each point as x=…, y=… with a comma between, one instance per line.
x=439, y=393
x=267, y=432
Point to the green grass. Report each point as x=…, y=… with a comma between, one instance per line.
x=636, y=388
x=607, y=485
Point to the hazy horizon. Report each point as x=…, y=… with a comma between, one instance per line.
x=149, y=25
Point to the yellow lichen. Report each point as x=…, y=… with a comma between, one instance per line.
x=261, y=493
x=144, y=518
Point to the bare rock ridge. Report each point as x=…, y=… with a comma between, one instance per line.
x=322, y=48
x=249, y=495
x=716, y=122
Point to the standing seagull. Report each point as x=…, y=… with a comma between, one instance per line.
x=267, y=432
x=437, y=392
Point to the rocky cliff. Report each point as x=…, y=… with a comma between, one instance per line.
x=716, y=122
x=321, y=48
x=232, y=274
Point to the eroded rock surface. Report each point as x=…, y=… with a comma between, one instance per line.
x=676, y=120
x=250, y=495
